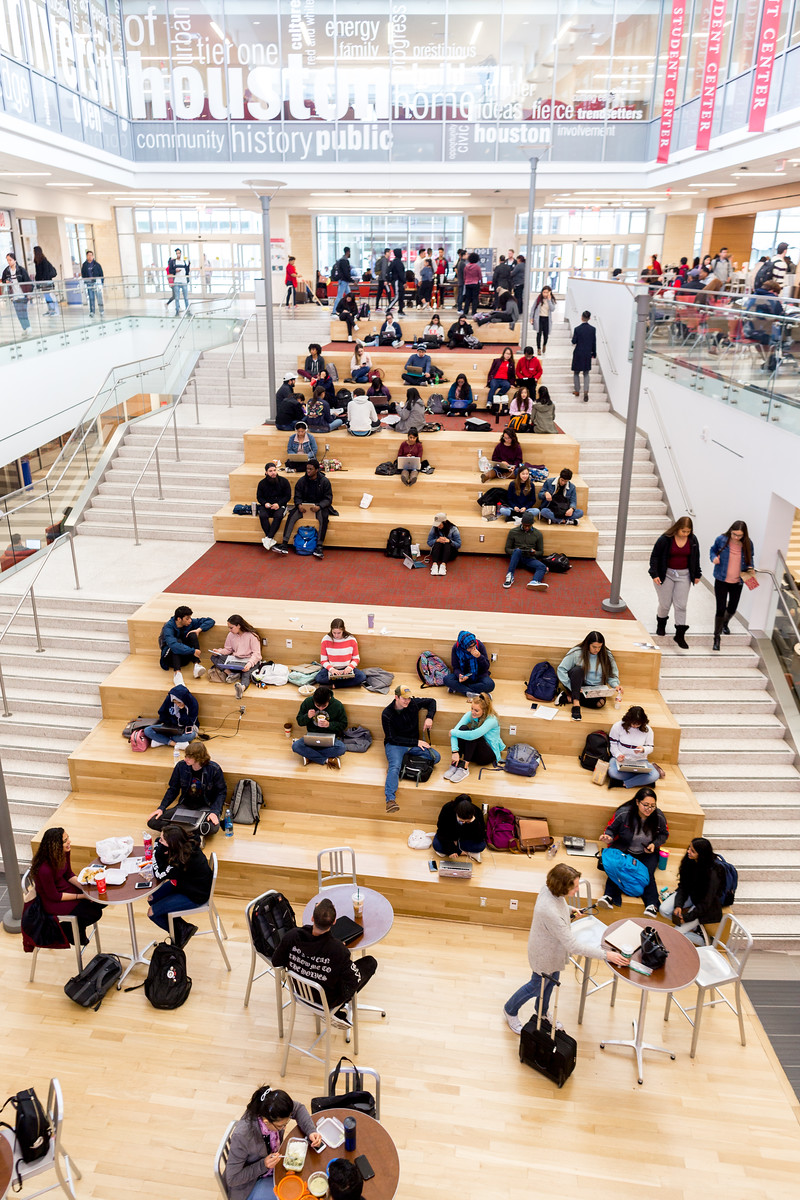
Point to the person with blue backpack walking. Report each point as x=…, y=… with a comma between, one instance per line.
x=638, y=829
x=706, y=884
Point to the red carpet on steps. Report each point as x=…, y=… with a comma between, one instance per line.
x=473, y=582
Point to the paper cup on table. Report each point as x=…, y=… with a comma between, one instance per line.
x=100, y=883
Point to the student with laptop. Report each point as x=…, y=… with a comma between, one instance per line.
x=640, y=829
x=301, y=444
x=196, y=793
x=177, y=720
x=631, y=743
x=272, y=499
x=339, y=656
x=589, y=666
x=241, y=653
x=325, y=720
x=409, y=457
x=315, y=953
x=460, y=829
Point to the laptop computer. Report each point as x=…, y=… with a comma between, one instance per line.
x=190, y=817
x=409, y=462
x=635, y=763
x=600, y=689
x=320, y=740
x=296, y=462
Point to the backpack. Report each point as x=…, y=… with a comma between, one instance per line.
x=91, y=984
x=501, y=828
x=520, y=424
x=483, y=318
x=431, y=427
x=386, y=468
x=357, y=739
x=344, y=396
x=398, y=543
x=363, y=312
x=559, y=564
x=543, y=683
x=305, y=541
x=731, y=880
x=431, y=669
x=243, y=510
x=167, y=985
x=522, y=759
x=472, y=342
x=270, y=919
x=435, y=404
x=139, y=742
x=765, y=272
x=245, y=803
x=305, y=673
x=627, y=872
x=335, y=274
x=417, y=767
x=31, y=1128
x=596, y=748
x=377, y=680
x=270, y=674
x=476, y=425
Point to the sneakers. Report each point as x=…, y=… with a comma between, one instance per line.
x=305, y=762
x=449, y=772
x=474, y=857
x=279, y=549
x=238, y=687
x=434, y=568
x=459, y=774
x=533, y=586
x=546, y=520
x=513, y=1023
x=442, y=568
x=318, y=552
x=576, y=712
x=392, y=806
x=267, y=543
x=604, y=902
x=177, y=678
x=341, y=1019
x=651, y=911
x=334, y=764
x=198, y=671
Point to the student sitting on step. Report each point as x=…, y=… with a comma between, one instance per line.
x=521, y=497
x=558, y=500
x=501, y=379
x=639, y=828
x=525, y=546
x=631, y=739
x=198, y=784
x=544, y=413
x=460, y=398
x=313, y=501
x=475, y=739
x=339, y=656
x=589, y=665
x=347, y=311
x=410, y=448
x=241, y=653
x=288, y=404
x=400, y=721
x=444, y=540
x=506, y=457
x=322, y=714
x=458, y=333
x=314, y=362
x=318, y=413
x=460, y=828
x=411, y=415
x=522, y=406
x=379, y=394
x=362, y=419
x=272, y=498
x=302, y=442
x=419, y=369
x=700, y=894
x=179, y=643
x=469, y=660
x=177, y=720
x=390, y=333
x=528, y=367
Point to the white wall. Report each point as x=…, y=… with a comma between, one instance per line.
x=722, y=463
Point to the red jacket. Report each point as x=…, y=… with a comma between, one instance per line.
x=291, y=275
x=528, y=368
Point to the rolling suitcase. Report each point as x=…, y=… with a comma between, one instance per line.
x=548, y=1050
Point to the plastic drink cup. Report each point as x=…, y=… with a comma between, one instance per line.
x=147, y=842
x=358, y=905
x=370, y=620
x=663, y=859
x=100, y=883
x=287, y=729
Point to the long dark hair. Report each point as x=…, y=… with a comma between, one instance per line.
x=461, y=376
x=700, y=867
x=681, y=523
x=51, y=852
x=603, y=658
x=650, y=824
x=39, y=256
x=180, y=843
x=747, y=545
x=635, y=716
x=412, y=395
x=245, y=626
x=518, y=398
x=525, y=490
x=543, y=396
x=271, y=1104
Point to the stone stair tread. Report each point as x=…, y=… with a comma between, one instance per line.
x=757, y=859
x=729, y=723
x=748, y=801
x=768, y=889
x=700, y=772
x=744, y=745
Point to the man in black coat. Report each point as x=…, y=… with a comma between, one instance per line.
x=397, y=275
x=313, y=500
x=272, y=496
x=584, y=339
x=288, y=409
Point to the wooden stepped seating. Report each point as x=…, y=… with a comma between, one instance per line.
x=474, y=364
x=493, y=334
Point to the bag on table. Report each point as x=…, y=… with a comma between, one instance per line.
x=358, y=1099
x=31, y=1128
x=90, y=986
x=654, y=952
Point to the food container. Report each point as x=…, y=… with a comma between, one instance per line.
x=291, y=1187
x=115, y=877
x=318, y=1184
x=331, y=1130
x=295, y=1157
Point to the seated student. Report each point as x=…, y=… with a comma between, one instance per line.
x=256, y=1139
x=410, y=448
x=197, y=783
x=313, y=501
x=475, y=739
x=177, y=720
x=272, y=497
x=460, y=398
x=400, y=721
x=631, y=738
x=458, y=333
x=526, y=548
x=362, y=419
x=470, y=674
x=544, y=413
x=242, y=643
x=528, y=367
x=521, y=496
x=700, y=892
x=179, y=643
x=390, y=333
x=314, y=362
x=640, y=829
x=301, y=441
x=433, y=333
x=460, y=828
x=347, y=311
x=313, y=952
x=591, y=664
x=344, y=1180
x=323, y=385
x=522, y=406
x=57, y=884
x=444, y=540
x=412, y=413
x=288, y=405
x=501, y=378
x=185, y=875
x=322, y=713
x=318, y=414
x=558, y=501
x=506, y=457
x=360, y=365
x=339, y=657
x=379, y=394
x=506, y=303
x=418, y=369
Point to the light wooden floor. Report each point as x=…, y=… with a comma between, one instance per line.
x=149, y=1093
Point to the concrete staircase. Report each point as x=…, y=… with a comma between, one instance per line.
x=601, y=465
x=54, y=698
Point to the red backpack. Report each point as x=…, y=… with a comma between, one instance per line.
x=501, y=828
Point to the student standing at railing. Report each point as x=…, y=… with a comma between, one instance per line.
x=44, y=275
x=18, y=282
x=178, y=276
x=92, y=272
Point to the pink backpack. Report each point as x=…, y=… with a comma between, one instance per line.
x=501, y=828
x=139, y=742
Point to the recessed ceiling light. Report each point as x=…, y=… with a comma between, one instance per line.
x=63, y=185
x=25, y=174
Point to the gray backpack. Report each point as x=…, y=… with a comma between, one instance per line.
x=357, y=739
x=245, y=804
x=435, y=404
x=378, y=680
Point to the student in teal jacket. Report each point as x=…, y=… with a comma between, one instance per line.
x=475, y=739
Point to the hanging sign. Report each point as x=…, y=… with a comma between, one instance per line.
x=708, y=91
x=765, y=60
x=671, y=79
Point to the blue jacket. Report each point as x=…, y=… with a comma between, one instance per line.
x=292, y=446
x=184, y=718
x=172, y=637
x=453, y=535
x=393, y=328
x=489, y=729
x=720, y=548
x=204, y=789
x=550, y=486
x=462, y=403
x=518, y=499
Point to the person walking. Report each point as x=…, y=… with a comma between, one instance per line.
x=584, y=339
x=473, y=278
x=382, y=275
x=44, y=274
x=732, y=556
x=675, y=569
x=92, y=272
x=178, y=276
x=397, y=277
x=18, y=282
x=290, y=282
x=344, y=273
x=461, y=262
x=543, y=308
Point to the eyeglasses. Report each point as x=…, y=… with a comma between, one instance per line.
x=644, y=804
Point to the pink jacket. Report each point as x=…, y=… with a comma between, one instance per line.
x=244, y=645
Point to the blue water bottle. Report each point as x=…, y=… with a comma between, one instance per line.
x=228, y=826
x=350, y=1133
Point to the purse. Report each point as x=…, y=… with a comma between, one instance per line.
x=533, y=834
x=358, y=1099
x=488, y=512
x=654, y=952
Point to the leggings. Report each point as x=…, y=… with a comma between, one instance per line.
x=727, y=596
x=543, y=332
x=443, y=552
x=476, y=750
x=88, y=912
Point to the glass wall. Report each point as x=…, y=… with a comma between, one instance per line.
x=587, y=242
x=223, y=246
x=368, y=237
x=778, y=225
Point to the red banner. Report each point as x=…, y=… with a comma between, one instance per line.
x=765, y=60
x=708, y=92
x=671, y=79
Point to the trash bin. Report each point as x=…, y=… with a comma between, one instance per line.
x=27, y=478
x=73, y=289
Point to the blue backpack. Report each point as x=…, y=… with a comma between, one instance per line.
x=731, y=881
x=627, y=872
x=305, y=540
x=522, y=759
x=543, y=683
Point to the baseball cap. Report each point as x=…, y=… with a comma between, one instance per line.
x=439, y=517
x=404, y=692
x=289, y=375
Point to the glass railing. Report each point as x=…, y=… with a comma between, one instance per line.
x=783, y=624
x=739, y=350
x=32, y=516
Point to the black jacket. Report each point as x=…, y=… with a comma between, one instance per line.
x=314, y=491
x=464, y=329
x=620, y=828
x=584, y=339
x=192, y=879
x=321, y=958
x=345, y=270
x=21, y=275
x=45, y=271
x=289, y=410
x=501, y=277
x=660, y=556
x=706, y=891
x=397, y=271
x=450, y=832
x=92, y=270
x=401, y=725
x=274, y=491
x=204, y=789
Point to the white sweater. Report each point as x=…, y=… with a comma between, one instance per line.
x=627, y=741
x=551, y=940
x=361, y=414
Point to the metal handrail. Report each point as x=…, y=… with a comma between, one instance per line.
x=240, y=342
x=154, y=451
x=687, y=505
x=779, y=595
x=69, y=535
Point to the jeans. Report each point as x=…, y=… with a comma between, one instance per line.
x=296, y=517
x=463, y=845
x=264, y=1189
x=243, y=677
x=49, y=299
x=342, y=290
x=395, y=756
x=650, y=894
x=159, y=737
x=471, y=293
x=270, y=519
x=94, y=291
x=530, y=991
x=167, y=899
x=543, y=332
x=547, y=514
x=632, y=779
x=504, y=511
x=497, y=385
x=178, y=290
x=674, y=591
x=360, y=374
x=291, y=295
x=520, y=559
x=689, y=929
x=21, y=309
x=322, y=678
x=319, y=754
x=479, y=684
x=576, y=381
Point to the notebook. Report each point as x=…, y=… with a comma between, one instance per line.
x=346, y=930
x=627, y=938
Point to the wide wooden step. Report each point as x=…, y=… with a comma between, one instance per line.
x=493, y=333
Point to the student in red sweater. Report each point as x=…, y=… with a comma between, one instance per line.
x=528, y=366
x=339, y=657
x=410, y=448
x=501, y=378
x=57, y=885
x=290, y=279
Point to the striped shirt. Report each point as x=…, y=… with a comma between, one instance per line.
x=338, y=652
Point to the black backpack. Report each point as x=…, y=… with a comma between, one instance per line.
x=271, y=918
x=416, y=767
x=344, y=396
x=559, y=564
x=167, y=984
x=398, y=543
x=386, y=468
x=335, y=273
x=765, y=272
x=596, y=749
x=731, y=880
x=246, y=803
x=90, y=986
x=31, y=1128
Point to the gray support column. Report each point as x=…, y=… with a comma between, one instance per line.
x=11, y=922
x=525, y=315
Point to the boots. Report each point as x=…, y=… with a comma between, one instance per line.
x=680, y=636
x=717, y=630
x=726, y=616
x=661, y=626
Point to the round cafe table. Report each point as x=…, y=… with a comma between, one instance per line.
x=678, y=972
x=125, y=893
x=377, y=916
x=7, y=1165
x=371, y=1140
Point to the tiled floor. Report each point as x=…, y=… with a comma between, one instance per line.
x=777, y=1003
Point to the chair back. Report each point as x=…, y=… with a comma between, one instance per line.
x=733, y=940
x=583, y=896
x=250, y=908
x=306, y=992
x=212, y=858
x=221, y=1159
x=335, y=864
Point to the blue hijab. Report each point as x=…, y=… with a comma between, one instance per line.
x=467, y=663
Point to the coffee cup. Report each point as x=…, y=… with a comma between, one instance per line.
x=287, y=729
x=358, y=905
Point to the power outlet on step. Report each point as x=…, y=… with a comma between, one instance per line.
x=512, y=730
x=482, y=538
x=288, y=643
x=494, y=658
x=265, y=641
x=483, y=902
x=513, y=905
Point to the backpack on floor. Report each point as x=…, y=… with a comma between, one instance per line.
x=520, y=423
x=731, y=881
x=363, y=312
x=523, y=760
x=167, y=984
x=245, y=803
x=357, y=739
x=139, y=742
x=435, y=404
x=431, y=427
x=344, y=396
x=271, y=918
x=477, y=425
x=91, y=984
x=305, y=540
x=386, y=468
x=596, y=748
x=270, y=674
x=31, y=1128
x=398, y=543
x=627, y=872
x=559, y=564
x=472, y=342
x=416, y=767
x=542, y=684
x=431, y=669
x=501, y=825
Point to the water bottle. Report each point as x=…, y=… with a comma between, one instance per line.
x=552, y=851
x=617, y=699
x=350, y=1133
x=228, y=826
